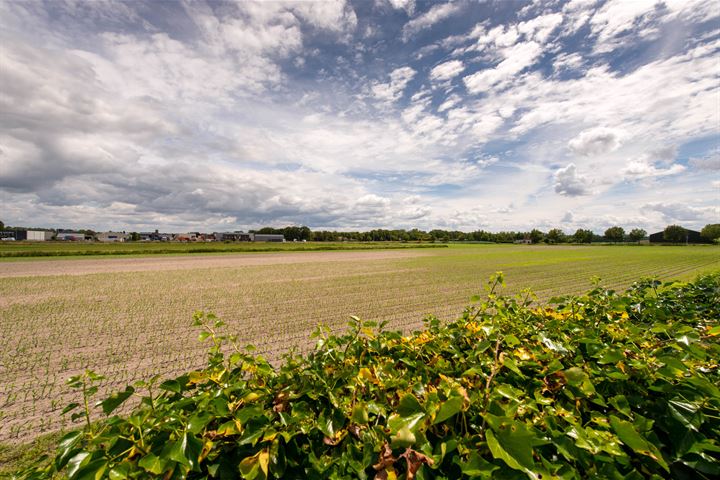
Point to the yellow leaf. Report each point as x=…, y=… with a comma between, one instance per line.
x=264, y=460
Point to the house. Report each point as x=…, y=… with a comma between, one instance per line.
x=111, y=237
x=525, y=241
x=691, y=236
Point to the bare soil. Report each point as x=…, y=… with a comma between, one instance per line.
x=144, y=264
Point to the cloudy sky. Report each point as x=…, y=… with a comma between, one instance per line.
x=205, y=115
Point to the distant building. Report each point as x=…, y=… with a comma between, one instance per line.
x=29, y=235
x=70, y=236
x=38, y=235
x=524, y=241
x=233, y=237
x=112, y=237
x=692, y=236
x=266, y=237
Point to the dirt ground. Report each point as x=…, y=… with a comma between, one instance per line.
x=155, y=263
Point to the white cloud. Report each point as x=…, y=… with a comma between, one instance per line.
x=407, y=5
x=540, y=28
x=595, y=141
x=516, y=59
x=638, y=169
x=709, y=163
x=447, y=71
x=393, y=90
x=436, y=14
x=681, y=212
x=569, y=183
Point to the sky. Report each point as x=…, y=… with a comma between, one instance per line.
x=354, y=115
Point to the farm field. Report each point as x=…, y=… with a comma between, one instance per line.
x=129, y=322
x=15, y=250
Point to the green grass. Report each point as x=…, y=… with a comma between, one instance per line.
x=131, y=325
x=10, y=250
x=17, y=456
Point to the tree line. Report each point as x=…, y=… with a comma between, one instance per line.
x=673, y=234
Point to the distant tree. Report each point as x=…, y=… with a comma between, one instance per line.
x=710, y=231
x=2, y=226
x=134, y=236
x=555, y=236
x=536, y=235
x=583, y=236
x=674, y=234
x=615, y=234
x=637, y=234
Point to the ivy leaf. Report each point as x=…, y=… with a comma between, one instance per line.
x=151, y=463
x=630, y=437
x=511, y=441
x=66, y=448
x=448, y=408
x=186, y=451
x=115, y=400
x=476, y=466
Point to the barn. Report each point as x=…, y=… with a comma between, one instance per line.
x=692, y=236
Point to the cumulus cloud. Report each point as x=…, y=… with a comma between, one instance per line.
x=595, y=141
x=248, y=113
x=437, y=13
x=569, y=183
x=447, y=70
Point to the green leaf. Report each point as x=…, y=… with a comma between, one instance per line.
x=403, y=438
x=511, y=441
x=69, y=407
x=448, y=408
x=500, y=453
x=630, y=437
x=476, y=466
x=199, y=421
x=115, y=400
x=360, y=414
x=77, y=462
x=186, y=450
x=121, y=471
x=66, y=448
x=92, y=471
x=151, y=463
x=510, y=363
x=409, y=405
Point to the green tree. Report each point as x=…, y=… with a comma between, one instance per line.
x=583, y=236
x=637, y=234
x=134, y=236
x=536, y=235
x=555, y=236
x=710, y=231
x=2, y=226
x=674, y=234
x=615, y=234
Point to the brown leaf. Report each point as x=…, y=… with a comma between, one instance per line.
x=386, y=458
x=414, y=461
x=281, y=401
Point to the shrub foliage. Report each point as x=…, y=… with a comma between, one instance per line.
x=605, y=385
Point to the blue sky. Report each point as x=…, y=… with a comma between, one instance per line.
x=360, y=114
